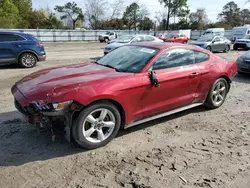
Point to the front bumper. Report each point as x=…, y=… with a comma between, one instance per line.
x=242, y=45
x=244, y=66
x=42, y=58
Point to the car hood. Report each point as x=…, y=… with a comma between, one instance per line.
x=246, y=55
x=48, y=82
x=243, y=40
x=115, y=45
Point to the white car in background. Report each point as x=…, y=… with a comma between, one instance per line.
x=243, y=43
x=127, y=39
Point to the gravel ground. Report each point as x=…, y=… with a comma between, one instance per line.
x=195, y=148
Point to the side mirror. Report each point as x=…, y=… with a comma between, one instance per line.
x=213, y=41
x=154, y=79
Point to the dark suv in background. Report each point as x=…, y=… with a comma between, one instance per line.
x=22, y=48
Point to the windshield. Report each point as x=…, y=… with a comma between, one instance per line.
x=107, y=33
x=246, y=37
x=128, y=58
x=205, y=39
x=208, y=33
x=125, y=39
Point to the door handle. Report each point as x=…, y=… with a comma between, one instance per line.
x=194, y=74
x=17, y=45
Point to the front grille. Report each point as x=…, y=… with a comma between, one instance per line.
x=42, y=107
x=240, y=45
x=245, y=70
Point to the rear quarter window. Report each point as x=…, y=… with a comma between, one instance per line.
x=20, y=38
x=200, y=57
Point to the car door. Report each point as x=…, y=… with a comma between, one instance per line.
x=215, y=45
x=178, y=76
x=7, y=48
x=223, y=43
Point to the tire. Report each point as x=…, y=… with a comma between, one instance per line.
x=235, y=48
x=209, y=48
x=98, y=134
x=217, y=93
x=101, y=41
x=106, y=40
x=28, y=60
x=227, y=49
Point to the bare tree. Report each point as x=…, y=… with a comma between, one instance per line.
x=117, y=8
x=95, y=11
x=161, y=17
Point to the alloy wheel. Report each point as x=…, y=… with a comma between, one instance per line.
x=28, y=60
x=98, y=125
x=219, y=93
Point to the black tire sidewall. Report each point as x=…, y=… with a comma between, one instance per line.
x=227, y=49
x=209, y=48
x=77, y=127
x=209, y=101
x=24, y=66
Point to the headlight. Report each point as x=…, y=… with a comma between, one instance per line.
x=61, y=105
x=239, y=60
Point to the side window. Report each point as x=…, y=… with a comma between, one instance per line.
x=223, y=38
x=248, y=32
x=216, y=39
x=148, y=38
x=200, y=57
x=174, y=58
x=8, y=38
x=139, y=39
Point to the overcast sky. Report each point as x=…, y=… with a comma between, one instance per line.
x=213, y=7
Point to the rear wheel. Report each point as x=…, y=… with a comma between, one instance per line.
x=97, y=125
x=217, y=94
x=227, y=49
x=27, y=60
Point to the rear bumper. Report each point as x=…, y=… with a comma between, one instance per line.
x=42, y=58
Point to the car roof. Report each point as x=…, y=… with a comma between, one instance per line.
x=13, y=32
x=159, y=45
x=166, y=45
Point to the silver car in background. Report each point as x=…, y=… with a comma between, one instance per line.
x=127, y=39
x=213, y=43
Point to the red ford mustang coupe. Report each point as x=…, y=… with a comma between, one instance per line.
x=131, y=85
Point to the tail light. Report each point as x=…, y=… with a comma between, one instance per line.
x=40, y=44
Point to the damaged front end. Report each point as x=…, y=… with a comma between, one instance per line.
x=44, y=115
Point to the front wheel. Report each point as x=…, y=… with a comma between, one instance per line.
x=217, y=94
x=235, y=48
x=27, y=60
x=209, y=48
x=97, y=125
x=106, y=40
